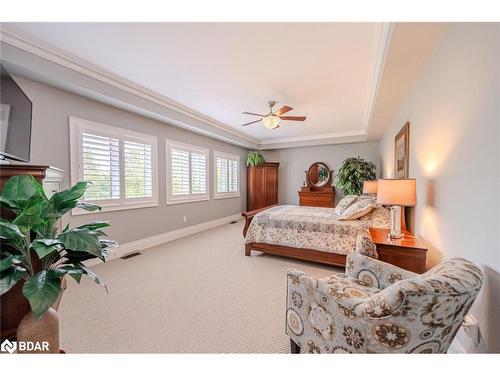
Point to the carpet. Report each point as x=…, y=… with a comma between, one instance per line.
x=198, y=294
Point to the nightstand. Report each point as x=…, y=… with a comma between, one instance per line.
x=407, y=252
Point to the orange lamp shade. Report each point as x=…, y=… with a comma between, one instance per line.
x=370, y=187
x=397, y=192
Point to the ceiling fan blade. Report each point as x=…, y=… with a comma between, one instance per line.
x=251, y=113
x=293, y=118
x=250, y=123
x=283, y=110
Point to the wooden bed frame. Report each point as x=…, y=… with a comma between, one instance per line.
x=290, y=252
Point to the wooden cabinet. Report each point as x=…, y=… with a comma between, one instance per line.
x=317, y=198
x=262, y=186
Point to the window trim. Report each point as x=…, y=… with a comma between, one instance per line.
x=169, y=144
x=225, y=155
x=77, y=127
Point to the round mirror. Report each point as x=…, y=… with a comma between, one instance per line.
x=319, y=175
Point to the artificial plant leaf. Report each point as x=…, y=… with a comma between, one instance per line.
x=79, y=256
x=75, y=272
x=30, y=215
x=93, y=225
x=81, y=239
x=91, y=274
x=88, y=206
x=10, y=277
x=6, y=203
x=64, y=201
x=10, y=260
x=44, y=247
x=42, y=292
x=10, y=231
x=19, y=190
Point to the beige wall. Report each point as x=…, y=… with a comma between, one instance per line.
x=454, y=113
x=50, y=145
x=295, y=161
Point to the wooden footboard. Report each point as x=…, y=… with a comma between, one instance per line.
x=296, y=253
x=249, y=216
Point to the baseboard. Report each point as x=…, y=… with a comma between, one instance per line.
x=159, y=239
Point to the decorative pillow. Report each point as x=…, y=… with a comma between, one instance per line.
x=344, y=203
x=358, y=209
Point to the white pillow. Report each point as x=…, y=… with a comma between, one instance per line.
x=358, y=209
x=344, y=203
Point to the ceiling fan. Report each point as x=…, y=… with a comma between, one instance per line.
x=272, y=119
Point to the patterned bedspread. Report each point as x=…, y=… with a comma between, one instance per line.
x=316, y=228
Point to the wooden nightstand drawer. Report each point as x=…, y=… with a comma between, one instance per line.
x=408, y=252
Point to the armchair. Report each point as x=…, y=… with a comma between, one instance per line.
x=376, y=307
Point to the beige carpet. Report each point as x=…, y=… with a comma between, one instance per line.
x=199, y=294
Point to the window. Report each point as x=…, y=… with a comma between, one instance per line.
x=121, y=164
x=227, y=175
x=187, y=173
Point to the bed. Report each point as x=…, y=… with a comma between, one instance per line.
x=311, y=233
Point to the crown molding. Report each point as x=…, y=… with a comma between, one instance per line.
x=383, y=49
x=57, y=56
x=61, y=58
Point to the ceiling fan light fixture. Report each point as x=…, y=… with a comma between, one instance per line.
x=271, y=121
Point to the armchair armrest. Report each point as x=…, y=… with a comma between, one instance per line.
x=374, y=272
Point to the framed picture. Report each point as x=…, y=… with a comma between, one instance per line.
x=401, y=152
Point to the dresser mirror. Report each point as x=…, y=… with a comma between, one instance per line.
x=318, y=175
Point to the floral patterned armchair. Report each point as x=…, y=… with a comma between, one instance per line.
x=379, y=308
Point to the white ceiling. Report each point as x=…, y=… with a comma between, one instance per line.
x=327, y=71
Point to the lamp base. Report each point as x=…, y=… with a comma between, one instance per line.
x=395, y=225
x=394, y=236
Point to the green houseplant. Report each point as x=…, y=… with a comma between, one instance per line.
x=254, y=159
x=34, y=249
x=352, y=174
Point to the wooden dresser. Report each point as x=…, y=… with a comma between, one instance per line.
x=317, y=198
x=262, y=186
x=318, y=190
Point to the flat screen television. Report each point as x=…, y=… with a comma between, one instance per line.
x=15, y=120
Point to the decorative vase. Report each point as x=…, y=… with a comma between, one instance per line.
x=39, y=336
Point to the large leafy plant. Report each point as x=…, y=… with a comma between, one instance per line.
x=35, y=250
x=352, y=174
x=255, y=158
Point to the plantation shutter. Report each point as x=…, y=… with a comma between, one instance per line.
x=222, y=175
x=179, y=174
x=233, y=176
x=138, y=170
x=198, y=173
x=101, y=166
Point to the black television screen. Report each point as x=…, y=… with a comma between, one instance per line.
x=15, y=120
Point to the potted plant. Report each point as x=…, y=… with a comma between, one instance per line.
x=254, y=159
x=36, y=251
x=352, y=174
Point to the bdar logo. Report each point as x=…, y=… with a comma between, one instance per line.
x=8, y=346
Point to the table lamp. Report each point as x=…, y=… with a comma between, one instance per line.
x=370, y=187
x=397, y=193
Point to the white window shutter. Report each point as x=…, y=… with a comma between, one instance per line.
x=179, y=173
x=198, y=173
x=138, y=169
x=100, y=163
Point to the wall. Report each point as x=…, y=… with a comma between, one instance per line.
x=295, y=161
x=50, y=146
x=454, y=113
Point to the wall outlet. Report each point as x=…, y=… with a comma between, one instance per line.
x=185, y=219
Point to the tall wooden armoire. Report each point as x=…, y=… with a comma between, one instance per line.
x=262, y=186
